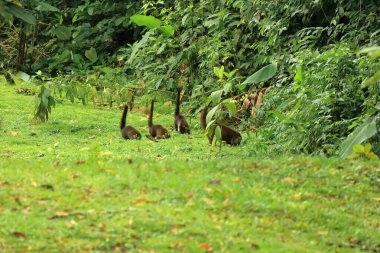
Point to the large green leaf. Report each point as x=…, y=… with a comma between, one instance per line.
x=167, y=30
x=216, y=96
x=219, y=72
x=262, y=75
x=211, y=113
x=60, y=58
x=43, y=6
x=153, y=23
x=4, y=14
x=373, y=52
x=24, y=76
x=22, y=14
x=371, y=81
x=91, y=55
x=359, y=135
x=218, y=133
x=136, y=46
x=231, y=106
x=300, y=77
x=148, y=21
x=62, y=32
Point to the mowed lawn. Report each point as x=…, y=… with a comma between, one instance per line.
x=73, y=185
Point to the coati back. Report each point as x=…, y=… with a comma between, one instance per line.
x=180, y=123
x=230, y=136
x=156, y=131
x=128, y=132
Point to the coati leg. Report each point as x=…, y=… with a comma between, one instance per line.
x=180, y=123
x=150, y=138
x=128, y=132
x=229, y=135
x=156, y=131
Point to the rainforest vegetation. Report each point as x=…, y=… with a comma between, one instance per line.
x=286, y=160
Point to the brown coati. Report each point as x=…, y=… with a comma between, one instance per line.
x=180, y=123
x=128, y=132
x=230, y=136
x=156, y=131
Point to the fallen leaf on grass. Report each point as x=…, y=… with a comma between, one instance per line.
x=376, y=199
x=119, y=247
x=17, y=200
x=141, y=200
x=205, y=246
x=208, y=201
x=287, y=180
x=80, y=162
x=176, y=245
x=174, y=230
x=74, y=176
x=26, y=209
x=13, y=133
x=190, y=203
x=236, y=179
x=72, y=224
x=2, y=183
x=19, y=235
x=59, y=215
x=315, y=168
x=92, y=137
x=215, y=181
x=43, y=202
x=102, y=226
x=187, y=195
x=227, y=202
x=297, y=195
x=323, y=233
x=255, y=246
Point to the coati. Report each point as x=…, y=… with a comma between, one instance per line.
x=128, y=132
x=156, y=131
x=180, y=123
x=229, y=135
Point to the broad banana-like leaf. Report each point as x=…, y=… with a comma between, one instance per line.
x=22, y=14
x=148, y=21
x=262, y=75
x=358, y=136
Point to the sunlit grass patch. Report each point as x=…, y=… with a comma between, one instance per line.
x=73, y=185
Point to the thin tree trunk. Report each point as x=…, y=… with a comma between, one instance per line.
x=21, y=49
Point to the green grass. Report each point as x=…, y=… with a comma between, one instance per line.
x=73, y=185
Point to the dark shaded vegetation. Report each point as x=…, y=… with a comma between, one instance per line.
x=93, y=52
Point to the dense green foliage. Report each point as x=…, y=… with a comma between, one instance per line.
x=94, y=51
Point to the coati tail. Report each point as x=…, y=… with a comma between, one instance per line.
x=150, y=121
x=123, y=117
x=178, y=101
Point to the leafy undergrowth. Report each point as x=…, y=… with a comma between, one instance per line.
x=73, y=185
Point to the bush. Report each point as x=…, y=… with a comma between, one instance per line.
x=324, y=103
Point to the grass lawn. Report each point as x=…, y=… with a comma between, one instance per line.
x=73, y=185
